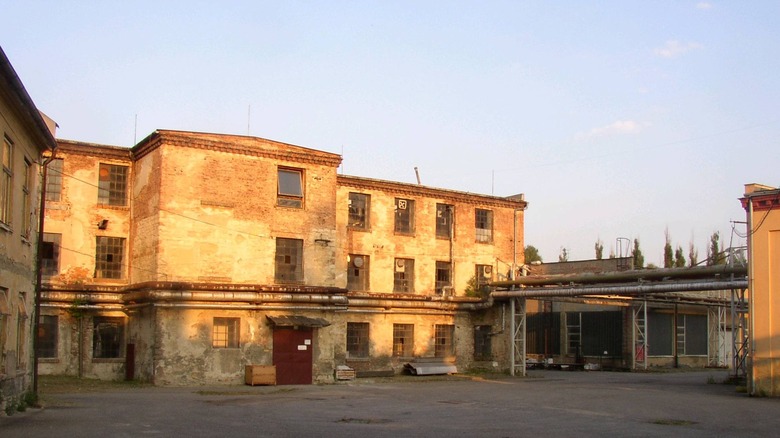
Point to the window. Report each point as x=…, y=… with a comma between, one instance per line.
x=403, y=278
x=225, y=332
x=483, y=220
x=108, y=257
x=27, y=219
x=21, y=338
x=290, y=188
x=358, y=210
x=108, y=337
x=357, y=339
x=443, y=336
x=47, y=336
x=482, y=350
x=4, y=315
x=404, y=216
x=54, y=180
x=357, y=272
x=289, y=260
x=483, y=276
x=444, y=220
x=50, y=254
x=403, y=340
x=112, y=185
x=443, y=275
x=6, y=181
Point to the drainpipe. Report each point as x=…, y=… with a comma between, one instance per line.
x=38, y=275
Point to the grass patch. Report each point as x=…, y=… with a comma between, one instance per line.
x=70, y=384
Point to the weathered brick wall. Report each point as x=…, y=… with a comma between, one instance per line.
x=77, y=214
x=382, y=244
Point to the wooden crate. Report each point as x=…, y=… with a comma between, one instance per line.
x=260, y=375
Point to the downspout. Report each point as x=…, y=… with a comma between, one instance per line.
x=38, y=274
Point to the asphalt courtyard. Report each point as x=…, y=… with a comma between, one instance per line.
x=546, y=403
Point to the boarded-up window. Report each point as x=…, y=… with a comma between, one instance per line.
x=660, y=330
x=482, y=347
x=47, y=336
x=543, y=333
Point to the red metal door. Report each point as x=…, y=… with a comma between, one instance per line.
x=293, y=355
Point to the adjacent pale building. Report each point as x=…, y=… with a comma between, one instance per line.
x=762, y=204
x=26, y=135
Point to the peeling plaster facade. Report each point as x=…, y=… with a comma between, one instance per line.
x=25, y=136
x=216, y=238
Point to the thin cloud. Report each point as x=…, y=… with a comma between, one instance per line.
x=619, y=127
x=674, y=48
x=703, y=5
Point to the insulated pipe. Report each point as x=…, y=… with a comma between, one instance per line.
x=640, y=289
x=93, y=297
x=246, y=297
x=438, y=305
x=633, y=275
x=229, y=307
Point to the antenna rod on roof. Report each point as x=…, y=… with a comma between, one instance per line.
x=417, y=172
x=248, y=118
x=135, y=129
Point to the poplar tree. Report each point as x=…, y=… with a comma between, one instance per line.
x=639, y=259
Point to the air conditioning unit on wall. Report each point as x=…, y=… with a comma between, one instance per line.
x=487, y=271
x=400, y=265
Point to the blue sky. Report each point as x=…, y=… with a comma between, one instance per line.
x=616, y=119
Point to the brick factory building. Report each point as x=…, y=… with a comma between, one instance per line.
x=186, y=258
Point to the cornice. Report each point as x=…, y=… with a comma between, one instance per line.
x=415, y=190
x=250, y=146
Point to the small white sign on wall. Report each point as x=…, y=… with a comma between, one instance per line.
x=302, y=347
x=307, y=341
